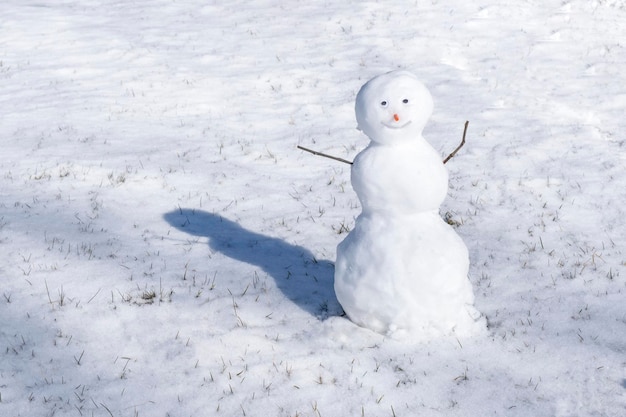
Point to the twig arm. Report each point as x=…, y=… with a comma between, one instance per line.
x=325, y=155
x=460, y=146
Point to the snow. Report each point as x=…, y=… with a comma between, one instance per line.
x=402, y=271
x=166, y=249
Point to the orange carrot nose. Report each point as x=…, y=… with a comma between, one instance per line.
x=396, y=117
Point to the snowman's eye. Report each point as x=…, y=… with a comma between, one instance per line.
x=383, y=103
x=405, y=101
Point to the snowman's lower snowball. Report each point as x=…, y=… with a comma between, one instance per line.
x=406, y=274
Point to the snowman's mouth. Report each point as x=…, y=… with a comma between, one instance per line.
x=396, y=126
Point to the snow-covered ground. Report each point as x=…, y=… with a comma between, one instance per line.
x=166, y=250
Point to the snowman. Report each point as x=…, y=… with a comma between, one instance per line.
x=402, y=271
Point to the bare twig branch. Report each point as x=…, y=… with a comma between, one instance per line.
x=460, y=146
x=325, y=155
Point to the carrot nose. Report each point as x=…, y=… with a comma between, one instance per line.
x=396, y=117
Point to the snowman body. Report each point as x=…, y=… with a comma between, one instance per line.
x=402, y=269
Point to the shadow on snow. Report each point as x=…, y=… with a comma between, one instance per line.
x=306, y=281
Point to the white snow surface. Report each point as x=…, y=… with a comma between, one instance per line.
x=402, y=271
x=167, y=251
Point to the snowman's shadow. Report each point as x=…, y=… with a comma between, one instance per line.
x=304, y=280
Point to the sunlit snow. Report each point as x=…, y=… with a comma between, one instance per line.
x=166, y=250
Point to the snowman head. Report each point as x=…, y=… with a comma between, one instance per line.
x=393, y=107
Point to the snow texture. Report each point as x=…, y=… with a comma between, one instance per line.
x=166, y=250
x=402, y=270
